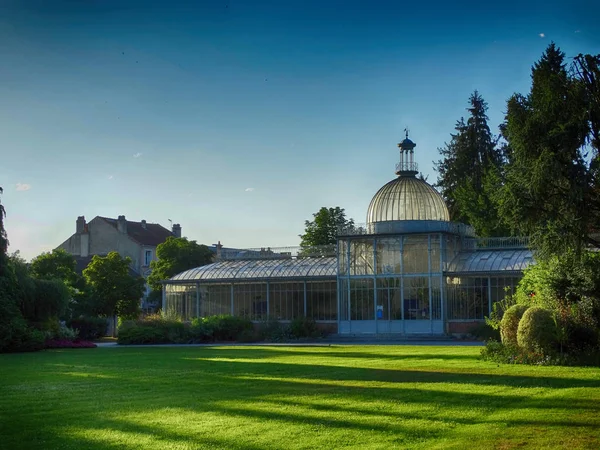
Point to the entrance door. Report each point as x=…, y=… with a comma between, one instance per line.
x=388, y=306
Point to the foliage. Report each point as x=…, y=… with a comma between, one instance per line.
x=322, y=231
x=304, y=327
x=510, y=324
x=50, y=301
x=485, y=332
x=549, y=187
x=176, y=255
x=273, y=331
x=114, y=290
x=3, y=239
x=15, y=334
x=537, y=331
x=55, y=265
x=470, y=169
x=586, y=72
x=153, y=329
x=228, y=328
x=89, y=328
x=498, y=309
x=68, y=343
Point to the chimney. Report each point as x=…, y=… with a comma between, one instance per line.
x=219, y=247
x=144, y=224
x=80, y=225
x=177, y=230
x=122, y=225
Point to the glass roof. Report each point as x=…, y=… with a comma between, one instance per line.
x=260, y=269
x=407, y=198
x=491, y=261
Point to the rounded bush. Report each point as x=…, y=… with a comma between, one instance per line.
x=510, y=324
x=537, y=331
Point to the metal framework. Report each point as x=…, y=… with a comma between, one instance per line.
x=252, y=270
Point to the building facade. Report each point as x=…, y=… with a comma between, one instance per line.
x=102, y=235
x=409, y=270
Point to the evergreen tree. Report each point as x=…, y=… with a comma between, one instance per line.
x=469, y=171
x=549, y=187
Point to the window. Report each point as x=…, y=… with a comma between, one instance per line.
x=147, y=257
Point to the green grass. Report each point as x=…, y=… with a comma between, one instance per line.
x=292, y=397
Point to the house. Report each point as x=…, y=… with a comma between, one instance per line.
x=102, y=235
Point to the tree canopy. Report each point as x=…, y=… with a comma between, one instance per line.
x=323, y=229
x=3, y=238
x=174, y=256
x=55, y=265
x=114, y=290
x=469, y=169
x=550, y=186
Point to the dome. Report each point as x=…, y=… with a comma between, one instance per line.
x=407, y=198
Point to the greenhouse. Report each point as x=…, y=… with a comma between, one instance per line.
x=408, y=270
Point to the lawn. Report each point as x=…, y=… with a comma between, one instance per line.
x=292, y=397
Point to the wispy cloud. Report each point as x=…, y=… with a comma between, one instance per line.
x=23, y=187
x=137, y=155
x=110, y=177
x=542, y=35
x=577, y=31
x=249, y=189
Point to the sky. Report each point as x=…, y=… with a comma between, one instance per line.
x=240, y=119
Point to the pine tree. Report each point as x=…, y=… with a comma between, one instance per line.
x=548, y=191
x=469, y=169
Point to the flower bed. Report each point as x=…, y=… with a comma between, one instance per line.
x=64, y=343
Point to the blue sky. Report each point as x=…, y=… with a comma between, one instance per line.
x=239, y=119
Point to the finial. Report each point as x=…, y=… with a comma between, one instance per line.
x=406, y=131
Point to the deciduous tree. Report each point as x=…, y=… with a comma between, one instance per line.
x=115, y=292
x=176, y=255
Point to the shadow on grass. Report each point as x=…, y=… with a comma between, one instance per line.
x=274, y=394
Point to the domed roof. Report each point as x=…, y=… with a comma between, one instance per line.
x=407, y=198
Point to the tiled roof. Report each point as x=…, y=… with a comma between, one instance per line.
x=152, y=235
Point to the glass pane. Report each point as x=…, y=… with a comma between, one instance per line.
x=389, y=296
x=467, y=298
x=389, y=255
x=215, y=299
x=250, y=300
x=362, y=300
x=361, y=257
x=286, y=300
x=343, y=257
x=415, y=258
x=321, y=300
x=416, y=298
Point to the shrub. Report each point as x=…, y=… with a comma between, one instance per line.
x=249, y=336
x=49, y=302
x=303, y=327
x=153, y=330
x=485, y=332
x=274, y=331
x=228, y=328
x=537, y=331
x=89, y=328
x=201, y=330
x=510, y=324
x=15, y=334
